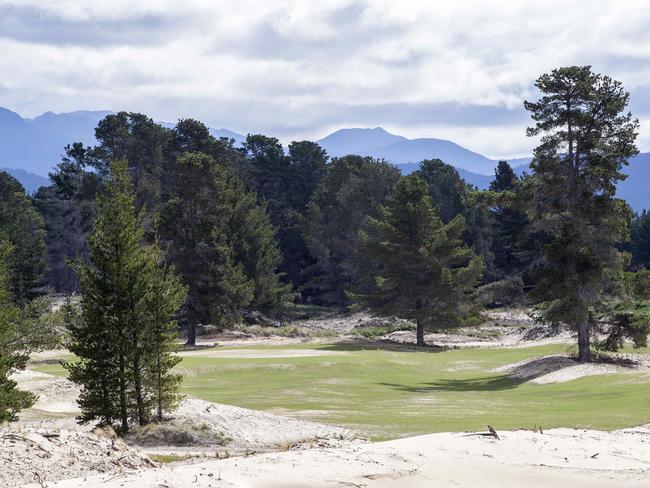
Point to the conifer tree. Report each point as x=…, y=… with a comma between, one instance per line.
x=509, y=224
x=426, y=272
x=22, y=226
x=221, y=242
x=586, y=138
x=165, y=295
x=640, y=240
x=123, y=337
x=12, y=358
x=353, y=188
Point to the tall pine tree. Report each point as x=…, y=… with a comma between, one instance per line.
x=586, y=138
x=123, y=336
x=426, y=272
x=221, y=242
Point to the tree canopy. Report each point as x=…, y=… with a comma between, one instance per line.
x=587, y=136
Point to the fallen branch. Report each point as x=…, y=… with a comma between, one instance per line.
x=491, y=433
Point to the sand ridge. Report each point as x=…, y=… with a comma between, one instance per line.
x=559, y=457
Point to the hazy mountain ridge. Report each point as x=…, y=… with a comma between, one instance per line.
x=30, y=181
x=399, y=150
x=31, y=148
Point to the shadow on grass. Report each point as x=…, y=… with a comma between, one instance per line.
x=494, y=383
x=370, y=345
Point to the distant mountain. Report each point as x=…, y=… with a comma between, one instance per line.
x=30, y=181
x=26, y=146
x=36, y=145
x=399, y=150
x=32, y=147
x=482, y=182
x=74, y=126
x=218, y=133
x=358, y=141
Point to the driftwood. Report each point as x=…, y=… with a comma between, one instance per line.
x=490, y=433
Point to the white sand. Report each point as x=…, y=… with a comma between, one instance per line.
x=562, y=368
x=559, y=458
x=56, y=395
x=31, y=453
x=244, y=430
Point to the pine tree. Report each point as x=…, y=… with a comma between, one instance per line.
x=427, y=274
x=221, y=242
x=22, y=226
x=255, y=246
x=124, y=337
x=587, y=137
x=452, y=196
x=165, y=295
x=353, y=188
x=112, y=291
x=640, y=240
x=509, y=225
x=12, y=358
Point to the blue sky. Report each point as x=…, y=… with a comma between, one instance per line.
x=299, y=69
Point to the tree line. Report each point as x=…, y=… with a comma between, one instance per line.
x=172, y=224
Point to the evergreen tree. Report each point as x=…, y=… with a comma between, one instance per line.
x=165, y=295
x=22, y=226
x=587, y=137
x=140, y=141
x=426, y=272
x=447, y=189
x=509, y=224
x=640, y=240
x=452, y=196
x=68, y=208
x=12, y=356
x=221, y=243
x=353, y=188
x=122, y=337
x=255, y=246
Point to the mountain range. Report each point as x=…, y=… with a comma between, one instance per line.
x=30, y=148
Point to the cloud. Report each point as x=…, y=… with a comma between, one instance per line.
x=293, y=68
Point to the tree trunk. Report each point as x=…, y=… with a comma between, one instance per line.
x=191, y=331
x=584, y=352
x=420, y=333
x=123, y=409
x=191, y=335
x=160, y=389
x=137, y=382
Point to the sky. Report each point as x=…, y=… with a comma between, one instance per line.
x=295, y=69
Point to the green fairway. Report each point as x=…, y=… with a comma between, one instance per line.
x=395, y=392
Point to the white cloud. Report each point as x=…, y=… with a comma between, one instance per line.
x=297, y=68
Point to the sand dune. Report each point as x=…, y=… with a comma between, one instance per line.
x=560, y=457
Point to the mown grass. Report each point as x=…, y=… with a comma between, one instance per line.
x=397, y=391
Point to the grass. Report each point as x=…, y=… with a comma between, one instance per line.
x=376, y=331
x=169, y=458
x=393, y=392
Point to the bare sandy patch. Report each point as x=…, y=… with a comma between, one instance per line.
x=197, y=426
x=559, y=457
x=561, y=368
x=201, y=428
x=56, y=395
